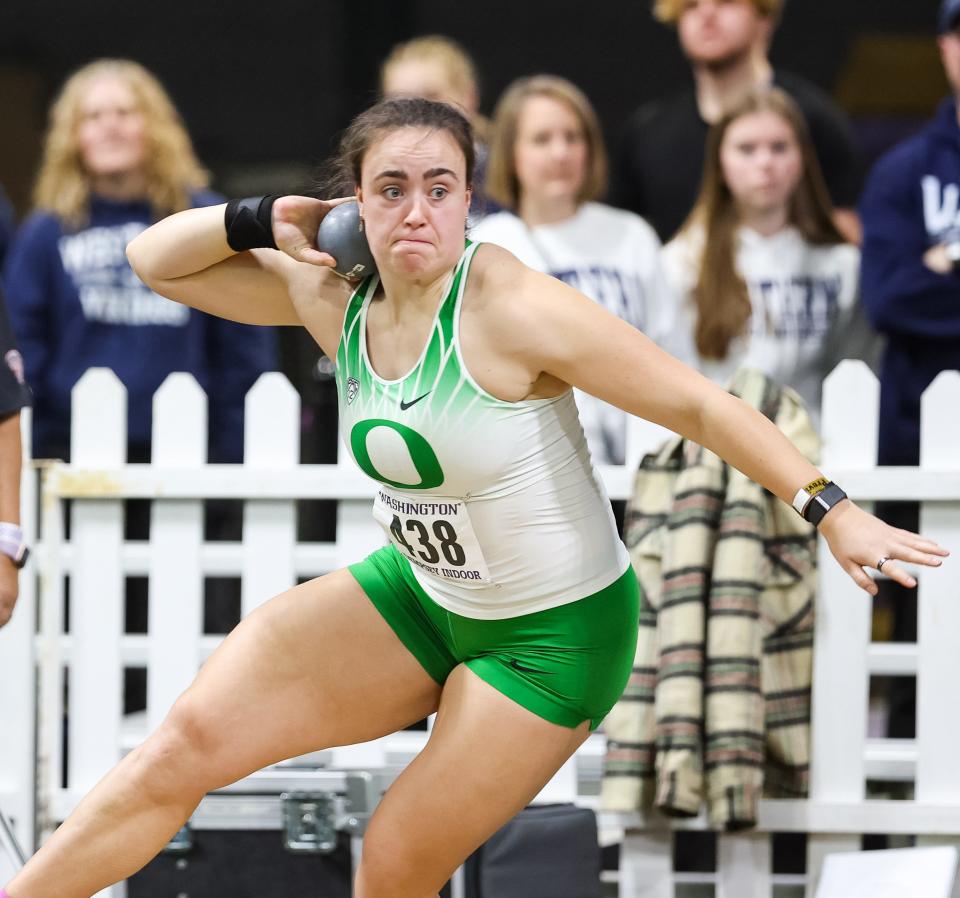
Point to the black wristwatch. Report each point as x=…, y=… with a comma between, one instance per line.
x=814, y=500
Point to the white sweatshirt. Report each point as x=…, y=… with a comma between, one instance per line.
x=613, y=257
x=803, y=296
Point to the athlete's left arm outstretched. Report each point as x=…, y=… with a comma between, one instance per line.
x=570, y=337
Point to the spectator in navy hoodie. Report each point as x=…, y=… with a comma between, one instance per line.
x=910, y=287
x=911, y=259
x=116, y=159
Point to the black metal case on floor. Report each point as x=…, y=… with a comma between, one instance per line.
x=244, y=864
x=285, y=831
x=254, y=841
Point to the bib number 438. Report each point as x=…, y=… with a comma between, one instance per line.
x=443, y=534
x=435, y=534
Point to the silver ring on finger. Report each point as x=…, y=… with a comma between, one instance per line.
x=882, y=562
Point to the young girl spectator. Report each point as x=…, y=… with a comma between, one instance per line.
x=116, y=159
x=764, y=277
x=548, y=165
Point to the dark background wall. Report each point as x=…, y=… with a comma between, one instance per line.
x=265, y=86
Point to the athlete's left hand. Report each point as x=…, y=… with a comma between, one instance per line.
x=859, y=540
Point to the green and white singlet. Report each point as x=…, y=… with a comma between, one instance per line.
x=495, y=504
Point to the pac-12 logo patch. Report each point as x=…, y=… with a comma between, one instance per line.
x=353, y=387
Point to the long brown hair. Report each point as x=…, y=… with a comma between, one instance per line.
x=171, y=168
x=502, y=183
x=721, y=296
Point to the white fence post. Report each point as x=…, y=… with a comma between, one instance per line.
x=938, y=624
x=851, y=403
x=271, y=441
x=175, y=617
x=17, y=686
x=841, y=681
x=646, y=864
x=744, y=865
x=99, y=436
x=50, y=717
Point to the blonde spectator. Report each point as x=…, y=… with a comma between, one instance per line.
x=437, y=68
x=433, y=67
x=117, y=158
x=549, y=166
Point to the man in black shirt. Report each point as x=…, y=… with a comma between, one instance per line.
x=661, y=157
x=14, y=395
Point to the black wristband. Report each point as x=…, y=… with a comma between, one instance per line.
x=821, y=503
x=249, y=224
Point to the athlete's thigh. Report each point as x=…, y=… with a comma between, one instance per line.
x=315, y=667
x=486, y=759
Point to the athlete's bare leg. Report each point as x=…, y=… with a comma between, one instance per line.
x=315, y=667
x=487, y=757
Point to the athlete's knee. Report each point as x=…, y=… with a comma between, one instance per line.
x=393, y=866
x=179, y=758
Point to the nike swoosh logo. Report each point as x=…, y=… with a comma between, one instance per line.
x=405, y=405
x=520, y=667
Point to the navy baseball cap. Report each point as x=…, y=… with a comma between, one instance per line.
x=949, y=16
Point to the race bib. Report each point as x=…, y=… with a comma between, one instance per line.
x=434, y=534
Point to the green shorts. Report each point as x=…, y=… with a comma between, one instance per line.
x=565, y=664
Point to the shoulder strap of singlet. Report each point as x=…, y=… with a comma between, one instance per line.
x=348, y=352
x=448, y=313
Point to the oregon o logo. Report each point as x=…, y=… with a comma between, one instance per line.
x=421, y=454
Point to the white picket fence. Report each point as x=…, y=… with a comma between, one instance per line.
x=33, y=660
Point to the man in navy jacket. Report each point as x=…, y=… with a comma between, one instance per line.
x=910, y=286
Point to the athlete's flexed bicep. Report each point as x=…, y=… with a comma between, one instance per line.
x=186, y=257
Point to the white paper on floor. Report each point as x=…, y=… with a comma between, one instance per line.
x=897, y=873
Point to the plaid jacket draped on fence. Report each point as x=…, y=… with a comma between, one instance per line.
x=718, y=705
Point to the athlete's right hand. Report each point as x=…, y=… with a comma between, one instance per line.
x=295, y=223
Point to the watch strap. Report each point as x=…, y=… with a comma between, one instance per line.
x=802, y=499
x=820, y=504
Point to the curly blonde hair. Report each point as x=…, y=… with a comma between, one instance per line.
x=171, y=167
x=668, y=11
